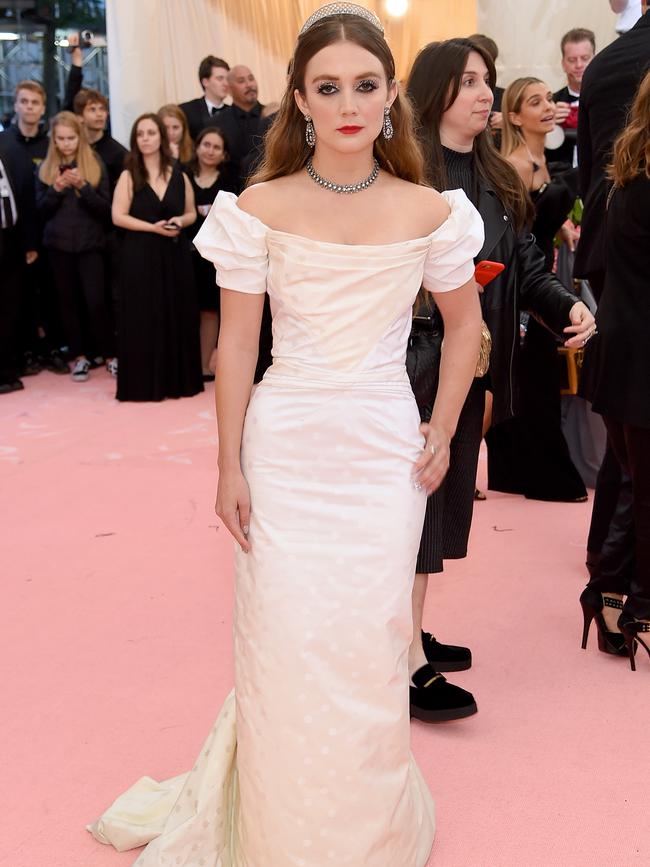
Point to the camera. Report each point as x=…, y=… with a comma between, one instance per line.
x=85, y=40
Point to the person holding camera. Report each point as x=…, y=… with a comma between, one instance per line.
x=158, y=321
x=92, y=108
x=73, y=200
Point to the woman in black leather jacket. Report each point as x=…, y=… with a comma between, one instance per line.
x=451, y=85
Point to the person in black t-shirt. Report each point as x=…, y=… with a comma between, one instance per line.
x=91, y=107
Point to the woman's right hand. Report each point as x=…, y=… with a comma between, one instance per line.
x=233, y=506
x=159, y=229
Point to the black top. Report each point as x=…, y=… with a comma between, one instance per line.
x=75, y=222
x=19, y=174
x=566, y=150
x=205, y=196
x=461, y=173
x=112, y=154
x=248, y=124
x=198, y=117
x=553, y=203
x=34, y=146
x=619, y=355
x=608, y=87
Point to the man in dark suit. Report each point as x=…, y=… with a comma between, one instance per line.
x=210, y=109
x=247, y=111
x=608, y=88
x=578, y=47
x=17, y=246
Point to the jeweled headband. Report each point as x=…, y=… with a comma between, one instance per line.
x=331, y=9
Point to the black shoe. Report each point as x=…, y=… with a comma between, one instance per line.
x=632, y=630
x=8, y=387
x=445, y=657
x=54, y=362
x=592, y=602
x=435, y=700
x=31, y=365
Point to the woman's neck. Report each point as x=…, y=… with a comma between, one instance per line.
x=342, y=168
x=454, y=141
x=152, y=164
x=534, y=144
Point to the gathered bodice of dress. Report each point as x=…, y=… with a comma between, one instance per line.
x=340, y=311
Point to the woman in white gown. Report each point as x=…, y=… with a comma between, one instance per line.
x=323, y=475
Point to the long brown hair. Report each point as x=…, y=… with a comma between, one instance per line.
x=433, y=85
x=512, y=136
x=632, y=147
x=87, y=162
x=185, y=144
x=286, y=150
x=134, y=162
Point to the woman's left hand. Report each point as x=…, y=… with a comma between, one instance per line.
x=74, y=178
x=431, y=467
x=583, y=326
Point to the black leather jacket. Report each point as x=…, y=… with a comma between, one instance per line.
x=525, y=284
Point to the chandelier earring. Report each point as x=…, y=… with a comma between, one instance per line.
x=310, y=132
x=388, y=125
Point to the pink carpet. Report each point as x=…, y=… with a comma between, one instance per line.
x=116, y=657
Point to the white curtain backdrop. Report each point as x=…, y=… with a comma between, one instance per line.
x=528, y=33
x=155, y=45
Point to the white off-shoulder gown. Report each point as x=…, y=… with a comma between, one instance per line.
x=310, y=764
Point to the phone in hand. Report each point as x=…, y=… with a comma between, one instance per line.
x=486, y=271
x=170, y=225
x=64, y=167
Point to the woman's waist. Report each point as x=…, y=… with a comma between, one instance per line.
x=290, y=373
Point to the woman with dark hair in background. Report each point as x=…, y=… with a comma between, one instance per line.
x=178, y=134
x=158, y=320
x=209, y=171
x=451, y=87
x=530, y=455
x=617, y=383
x=73, y=200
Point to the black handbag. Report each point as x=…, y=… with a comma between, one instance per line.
x=423, y=355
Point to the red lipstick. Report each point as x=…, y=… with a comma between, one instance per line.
x=349, y=130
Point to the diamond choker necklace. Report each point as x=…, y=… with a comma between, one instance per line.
x=342, y=188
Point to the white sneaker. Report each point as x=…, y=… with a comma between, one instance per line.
x=80, y=371
x=111, y=366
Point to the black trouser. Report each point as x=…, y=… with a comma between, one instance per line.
x=631, y=446
x=11, y=269
x=80, y=284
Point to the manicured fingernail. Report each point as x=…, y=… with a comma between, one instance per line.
x=245, y=529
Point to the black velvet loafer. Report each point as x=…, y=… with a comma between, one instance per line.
x=445, y=657
x=435, y=700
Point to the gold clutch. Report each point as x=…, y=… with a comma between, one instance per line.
x=571, y=375
x=483, y=363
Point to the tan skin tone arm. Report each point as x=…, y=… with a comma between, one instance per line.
x=123, y=197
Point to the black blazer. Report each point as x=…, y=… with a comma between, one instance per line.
x=20, y=174
x=608, y=87
x=618, y=369
x=525, y=284
x=564, y=154
x=198, y=117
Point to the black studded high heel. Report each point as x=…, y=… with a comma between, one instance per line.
x=593, y=602
x=631, y=630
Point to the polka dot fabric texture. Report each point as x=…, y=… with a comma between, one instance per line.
x=316, y=771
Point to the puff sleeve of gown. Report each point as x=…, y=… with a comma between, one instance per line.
x=235, y=243
x=450, y=262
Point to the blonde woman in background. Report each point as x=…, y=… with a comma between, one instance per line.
x=178, y=134
x=73, y=200
x=531, y=456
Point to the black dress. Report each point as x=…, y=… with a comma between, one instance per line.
x=529, y=455
x=204, y=273
x=158, y=321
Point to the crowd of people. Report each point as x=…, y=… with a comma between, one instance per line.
x=99, y=263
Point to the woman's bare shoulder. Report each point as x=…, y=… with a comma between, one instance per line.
x=266, y=199
x=427, y=205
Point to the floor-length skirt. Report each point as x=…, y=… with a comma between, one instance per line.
x=320, y=772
